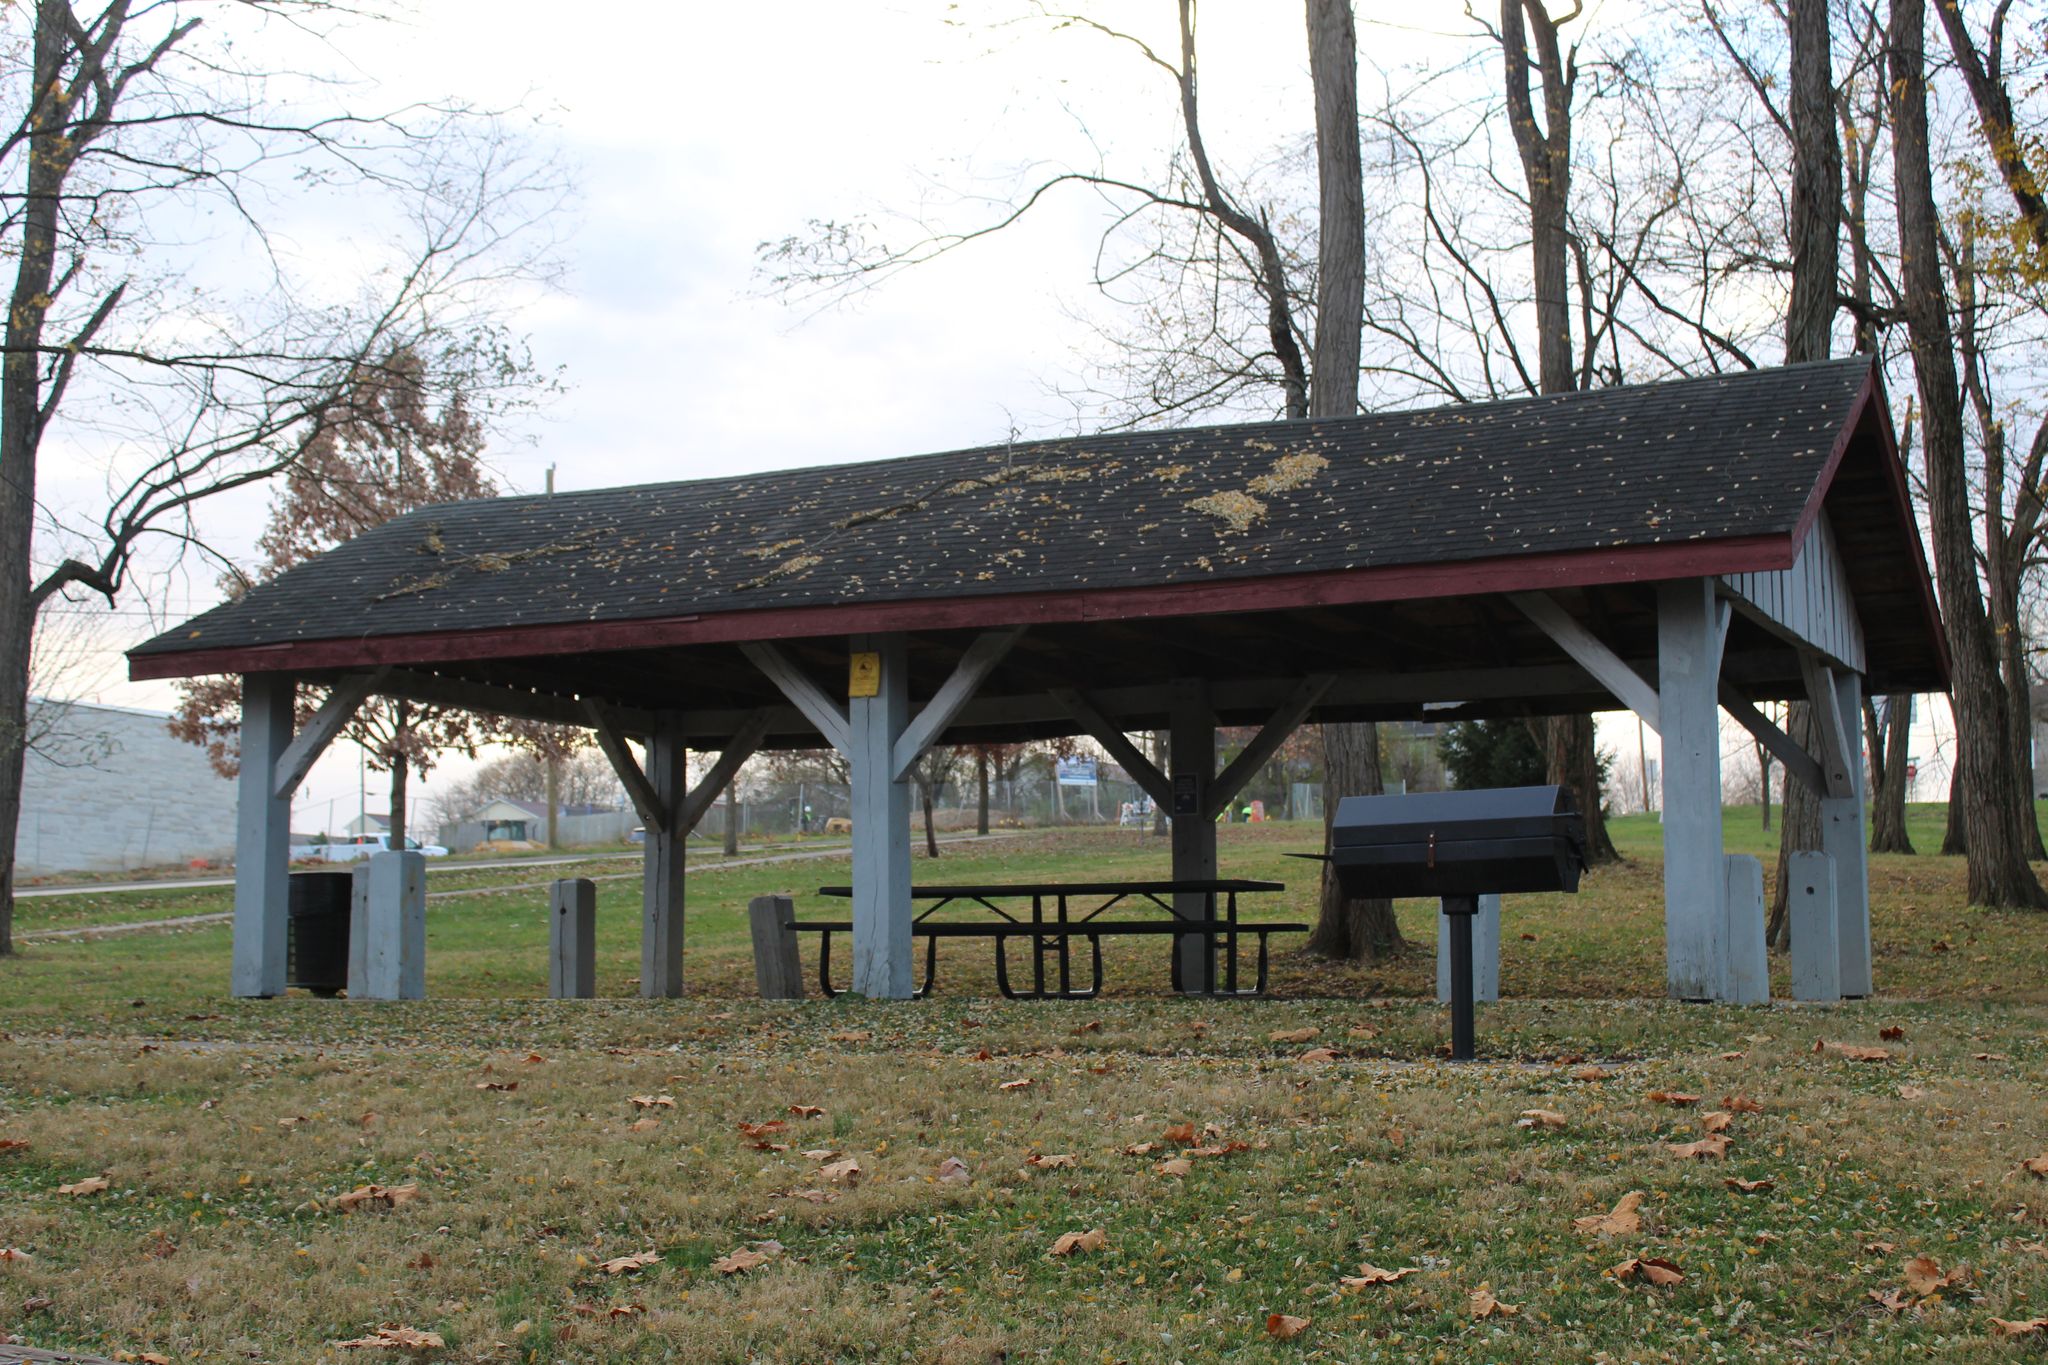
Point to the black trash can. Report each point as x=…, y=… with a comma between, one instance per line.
x=317, y=943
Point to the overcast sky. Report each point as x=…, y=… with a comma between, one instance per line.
x=695, y=131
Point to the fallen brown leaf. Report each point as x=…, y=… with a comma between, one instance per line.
x=1741, y=1104
x=1067, y=1243
x=1677, y=1098
x=761, y=1130
x=1370, y=1274
x=1292, y=1035
x=1023, y=1083
x=497, y=1085
x=1050, y=1161
x=1717, y=1121
x=740, y=1262
x=1925, y=1277
x=14, y=1254
x=376, y=1196
x=1653, y=1269
x=2026, y=1328
x=1891, y=1300
x=644, y=1125
x=652, y=1101
x=13, y=1144
x=2036, y=1165
x=1714, y=1146
x=1854, y=1052
x=1316, y=1056
x=1284, y=1326
x=847, y=1172
x=1178, y=1165
x=1741, y=1186
x=860, y=1035
x=92, y=1184
x=1891, y=1033
x=1141, y=1148
x=1483, y=1304
x=1540, y=1118
x=807, y=1111
x=1621, y=1222
x=1880, y=1248
x=954, y=1171
x=620, y=1265
x=394, y=1338
x=1914, y=1092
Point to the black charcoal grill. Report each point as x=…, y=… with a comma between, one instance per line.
x=1458, y=846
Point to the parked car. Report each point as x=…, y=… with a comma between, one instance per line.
x=363, y=845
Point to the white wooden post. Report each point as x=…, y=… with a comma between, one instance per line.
x=572, y=939
x=1191, y=758
x=1749, y=959
x=1485, y=953
x=661, y=889
x=359, y=930
x=1811, y=902
x=395, y=940
x=1688, y=668
x=1843, y=838
x=262, y=838
x=881, y=824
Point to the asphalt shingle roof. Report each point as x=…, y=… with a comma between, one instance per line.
x=1690, y=461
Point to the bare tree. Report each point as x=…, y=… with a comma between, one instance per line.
x=1995, y=820
x=125, y=126
x=1345, y=928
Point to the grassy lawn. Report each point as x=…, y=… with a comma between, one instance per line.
x=228, y=1130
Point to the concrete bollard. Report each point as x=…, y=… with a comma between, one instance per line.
x=572, y=939
x=1485, y=953
x=1749, y=958
x=395, y=940
x=776, y=968
x=359, y=931
x=1810, y=908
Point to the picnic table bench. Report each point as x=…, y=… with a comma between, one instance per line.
x=1051, y=935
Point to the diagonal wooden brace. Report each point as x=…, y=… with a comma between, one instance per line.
x=1797, y=761
x=653, y=810
x=1106, y=733
x=737, y=751
x=1266, y=743
x=305, y=749
x=975, y=665
x=827, y=715
x=1591, y=653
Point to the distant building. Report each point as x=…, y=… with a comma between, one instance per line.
x=107, y=789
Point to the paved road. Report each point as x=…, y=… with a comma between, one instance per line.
x=216, y=917
x=199, y=883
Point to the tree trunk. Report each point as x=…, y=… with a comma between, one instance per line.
x=401, y=771
x=1763, y=786
x=50, y=160
x=1798, y=825
x=554, y=800
x=1353, y=930
x=2019, y=701
x=1994, y=824
x=1571, y=761
x=980, y=791
x=1955, y=840
x=1889, y=737
x=732, y=819
x=931, y=836
x=1159, y=823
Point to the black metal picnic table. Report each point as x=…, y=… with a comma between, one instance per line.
x=1052, y=937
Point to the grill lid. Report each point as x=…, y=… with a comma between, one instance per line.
x=1454, y=816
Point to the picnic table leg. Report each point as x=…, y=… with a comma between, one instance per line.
x=1037, y=947
x=931, y=965
x=1231, y=976
x=1458, y=911
x=825, y=964
x=1003, y=967
x=1066, y=984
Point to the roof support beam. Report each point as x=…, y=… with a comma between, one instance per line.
x=827, y=715
x=1105, y=732
x=306, y=747
x=974, y=667
x=547, y=707
x=1830, y=726
x=1592, y=654
x=1797, y=761
x=653, y=810
x=1266, y=743
x=737, y=751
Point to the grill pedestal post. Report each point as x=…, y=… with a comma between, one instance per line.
x=1458, y=913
